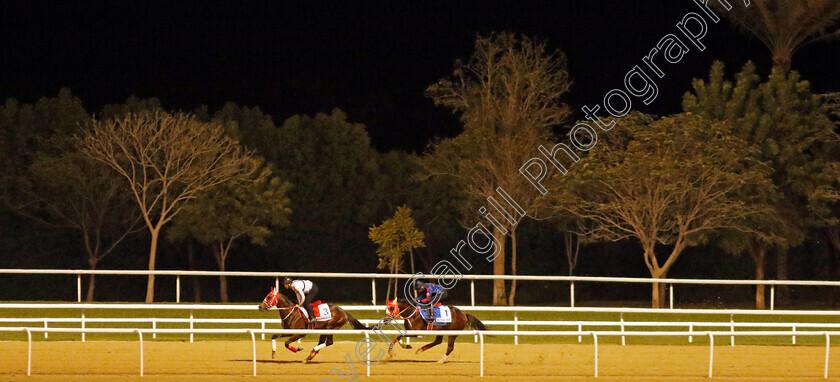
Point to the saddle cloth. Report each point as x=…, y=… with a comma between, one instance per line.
x=321, y=309
x=443, y=315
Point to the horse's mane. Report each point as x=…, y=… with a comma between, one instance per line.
x=283, y=301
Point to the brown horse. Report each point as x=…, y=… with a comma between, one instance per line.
x=414, y=321
x=293, y=320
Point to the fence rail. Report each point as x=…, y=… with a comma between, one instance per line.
x=581, y=324
x=374, y=276
x=480, y=334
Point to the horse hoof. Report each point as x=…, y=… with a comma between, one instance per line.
x=272, y=354
x=407, y=347
x=419, y=351
x=442, y=360
x=305, y=361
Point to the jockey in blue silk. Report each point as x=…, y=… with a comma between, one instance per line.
x=427, y=296
x=305, y=292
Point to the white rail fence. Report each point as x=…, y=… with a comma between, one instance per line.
x=481, y=334
x=621, y=324
x=374, y=276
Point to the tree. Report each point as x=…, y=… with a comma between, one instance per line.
x=671, y=181
x=394, y=238
x=789, y=126
x=54, y=185
x=338, y=187
x=508, y=97
x=167, y=160
x=785, y=26
x=222, y=214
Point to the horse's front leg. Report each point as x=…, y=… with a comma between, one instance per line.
x=450, y=346
x=323, y=341
x=293, y=339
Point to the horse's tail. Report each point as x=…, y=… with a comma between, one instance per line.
x=475, y=322
x=353, y=321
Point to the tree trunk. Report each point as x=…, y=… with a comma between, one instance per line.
x=759, y=258
x=512, y=265
x=571, y=254
x=782, y=58
x=150, y=285
x=499, y=269
x=191, y=260
x=411, y=256
x=220, y=259
x=655, y=296
x=92, y=262
x=782, y=291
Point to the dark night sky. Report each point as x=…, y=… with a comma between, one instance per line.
x=372, y=60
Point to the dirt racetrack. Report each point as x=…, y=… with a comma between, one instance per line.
x=231, y=361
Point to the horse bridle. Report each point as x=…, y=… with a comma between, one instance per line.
x=273, y=304
x=399, y=314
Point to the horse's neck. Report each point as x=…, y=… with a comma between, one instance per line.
x=283, y=302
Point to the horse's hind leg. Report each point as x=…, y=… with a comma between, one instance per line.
x=450, y=346
x=293, y=339
x=430, y=345
x=274, y=338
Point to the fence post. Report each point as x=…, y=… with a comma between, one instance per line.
x=481, y=353
x=671, y=288
x=367, y=355
x=79, y=287
x=621, y=317
x=178, y=289
x=140, y=334
x=262, y=326
x=373, y=291
x=45, y=332
x=711, y=352
x=29, y=352
x=154, y=328
x=793, y=338
x=83, y=325
x=277, y=283
x=595, y=339
x=191, y=326
x=580, y=329
x=515, y=328
x=572, y=294
x=690, y=329
x=253, y=350
x=472, y=292
x=827, y=342
x=732, y=329
x=772, y=296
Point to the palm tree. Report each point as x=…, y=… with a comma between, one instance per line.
x=785, y=26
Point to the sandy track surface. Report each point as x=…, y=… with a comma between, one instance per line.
x=231, y=361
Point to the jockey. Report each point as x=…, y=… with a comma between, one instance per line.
x=305, y=291
x=428, y=294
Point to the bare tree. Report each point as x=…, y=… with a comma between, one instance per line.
x=508, y=95
x=672, y=181
x=167, y=159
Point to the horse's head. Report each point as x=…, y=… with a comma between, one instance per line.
x=395, y=308
x=270, y=300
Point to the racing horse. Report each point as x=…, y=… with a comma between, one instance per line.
x=414, y=321
x=293, y=320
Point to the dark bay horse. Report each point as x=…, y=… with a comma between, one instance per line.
x=414, y=321
x=292, y=320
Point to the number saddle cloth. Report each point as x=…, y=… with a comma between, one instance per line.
x=443, y=315
x=321, y=309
